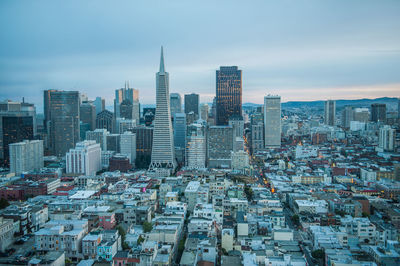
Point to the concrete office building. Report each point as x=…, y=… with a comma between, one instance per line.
x=219, y=146
x=100, y=136
x=272, y=124
x=100, y=104
x=88, y=114
x=176, y=103
x=128, y=146
x=131, y=95
x=195, y=153
x=105, y=119
x=330, y=112
x=192, y=103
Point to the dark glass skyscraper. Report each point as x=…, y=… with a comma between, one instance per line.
x=378, y=112
x=228, y=94
x=64, y=120
x=17, y=123
x=192, y=103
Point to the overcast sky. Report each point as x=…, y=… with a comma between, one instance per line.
x=301, y=50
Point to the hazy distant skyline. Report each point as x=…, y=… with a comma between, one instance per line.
x=300, y=50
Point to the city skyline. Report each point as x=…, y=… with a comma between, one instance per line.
x=327, y=50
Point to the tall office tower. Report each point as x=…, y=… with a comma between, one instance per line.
x=163, y=152
x=128, y=146
x=361, y=115
x=378, y=112
x=387, y=136
x=126, y=109
x=176, y=103
x=113, y=142
x=272, y=124
x=123, y=125
x=88, y=114
x=17, y=123
x=257, y=137
x=130, y=94
x=192, y=103
x=237, y=123
x=64, y=121
x=330, y=112
x=100, y=136
x=347, y=116
x=204, y=112
x=195, y=152
x=228, y=94
x=180, y=130
x=100, y=104
x=84, y=159
x=46, y=108
x=144, y=143
x=212, y=116
x=105, y=119
x=219, y=146
x=26, y=156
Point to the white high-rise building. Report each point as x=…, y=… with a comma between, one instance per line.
x=26, y=156
x=100, y=136
x=195, y=147
x=163, y=151
x=387, y=136
x=128, y=146
x=85, y=158
x=272, y=121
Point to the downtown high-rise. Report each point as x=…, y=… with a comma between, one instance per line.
x=62, y=114
x=228, y=94
x=163, y=152
x=330, y=112
x=272, y=121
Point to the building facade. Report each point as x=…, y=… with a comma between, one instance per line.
x=85, y=158
x=195, y=153
x=64, y=120
x=228, y=94
x=26, y=156
x=163, y=151
x=272, y=124
x=330, y=112
x=192, y=103
x=176, y=103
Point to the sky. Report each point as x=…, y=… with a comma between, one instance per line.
x=302, y=50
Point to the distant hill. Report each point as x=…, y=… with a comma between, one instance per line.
x=391, y=103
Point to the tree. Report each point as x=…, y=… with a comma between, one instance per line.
x=122, y=233
x=296, y=219
x=4, y=203
x=249, y=193
x=147, y=227
x=318, y=254
x=140, y=240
